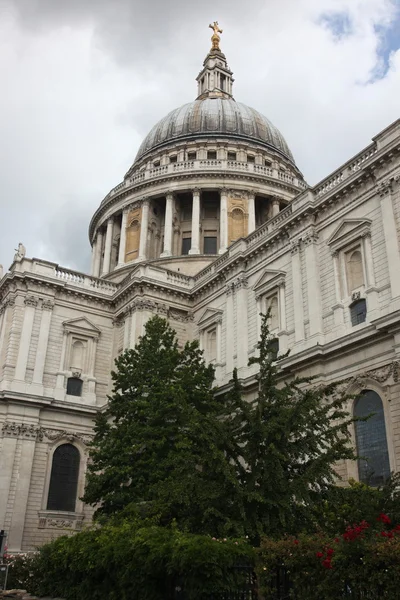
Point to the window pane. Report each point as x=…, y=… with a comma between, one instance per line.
x=210, y=245
x=371, y=440
x=64, y=478
x=358, y=312
x=186, y=245
x=74, y=386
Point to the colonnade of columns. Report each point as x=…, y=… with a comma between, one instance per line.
x=102, y=246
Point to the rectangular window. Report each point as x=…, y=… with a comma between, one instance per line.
x=231, y=155
x=273, y=346
x=358, y=312
x=267, y=163
x=186, y=245
x=210, y=245
x=156, y=163
x=191, y=156
x=186, y=211
x=212, y=155
x=173, y=159
x=250, y=158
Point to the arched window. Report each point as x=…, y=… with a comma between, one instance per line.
x=371, y=442
x=355, y=275
x=272, y=305
x=64, y=478
x=74, y=386
x=77, y=356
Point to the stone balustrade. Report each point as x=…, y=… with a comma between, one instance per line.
x=204, y=165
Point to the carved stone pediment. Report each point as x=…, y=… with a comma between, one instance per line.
x=269, y=280
x=209, y=317
x=348, y=231
x=82, y=325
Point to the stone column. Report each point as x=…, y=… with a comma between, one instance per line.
x=275, y=207
x=168, y=224
x=313, y=283
x=252, y=213
x=241, y=322
x=122, y=241
x=195, y=248
x=127, y=329
x=25, y=339
x=390, y=236
x=108, y=246
x=47, y=307
x=144, y=226
x=223, y=222
x=297, y=292
x=229, y=338
x=97, y=259
x=93, y=258
x=283, y=335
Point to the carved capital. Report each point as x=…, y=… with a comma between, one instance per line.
x=241, y=282
x=294, y=247
x=47, y=304
x=31, y=300
x=310, y=237
x=229, y=289
x=384, y=187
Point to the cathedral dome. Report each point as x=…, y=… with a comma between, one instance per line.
x=210, y=117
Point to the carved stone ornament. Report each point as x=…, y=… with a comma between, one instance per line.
x=229, y=289
x=384, y=187
x=60, y=520
x=310, y=237
x=34, y=432
x=241, y=282
x=142, y=304
x=47, y=304
x=162, y=309
x=294, y=246
x=380, y=375
x=31, y=300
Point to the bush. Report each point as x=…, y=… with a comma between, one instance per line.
x=20, y=568
x=362, y=562
x=132, y=562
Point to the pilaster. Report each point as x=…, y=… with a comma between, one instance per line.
x=252, y=213
x=310, y=240
x=47, y=307
x=297, y=292
x=31, y=303
x=390, y=235
x=229, y=330
x=97, y=260
x=242, y=321
x=144, y=230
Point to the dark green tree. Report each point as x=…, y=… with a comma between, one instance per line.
x=159, y=446
x=285, y=444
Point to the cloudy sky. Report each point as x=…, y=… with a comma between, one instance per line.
x=82, y=81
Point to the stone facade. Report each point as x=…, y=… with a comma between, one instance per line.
x=325, y=259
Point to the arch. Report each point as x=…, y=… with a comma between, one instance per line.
x=371, y=439
x=272, y=305
x=64, y=478
x=355, y=273
x=78, y=348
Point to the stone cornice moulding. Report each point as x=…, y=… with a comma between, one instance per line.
x=211, y=316
x=82, y=326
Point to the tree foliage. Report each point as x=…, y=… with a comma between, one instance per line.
x=216, y=463
x=158, y=446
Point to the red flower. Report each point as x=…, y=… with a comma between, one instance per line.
x=296, y=542
x=329, y=552
x=336, y=540
x=327, y=563
x=383, y=518
x=319, y=555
